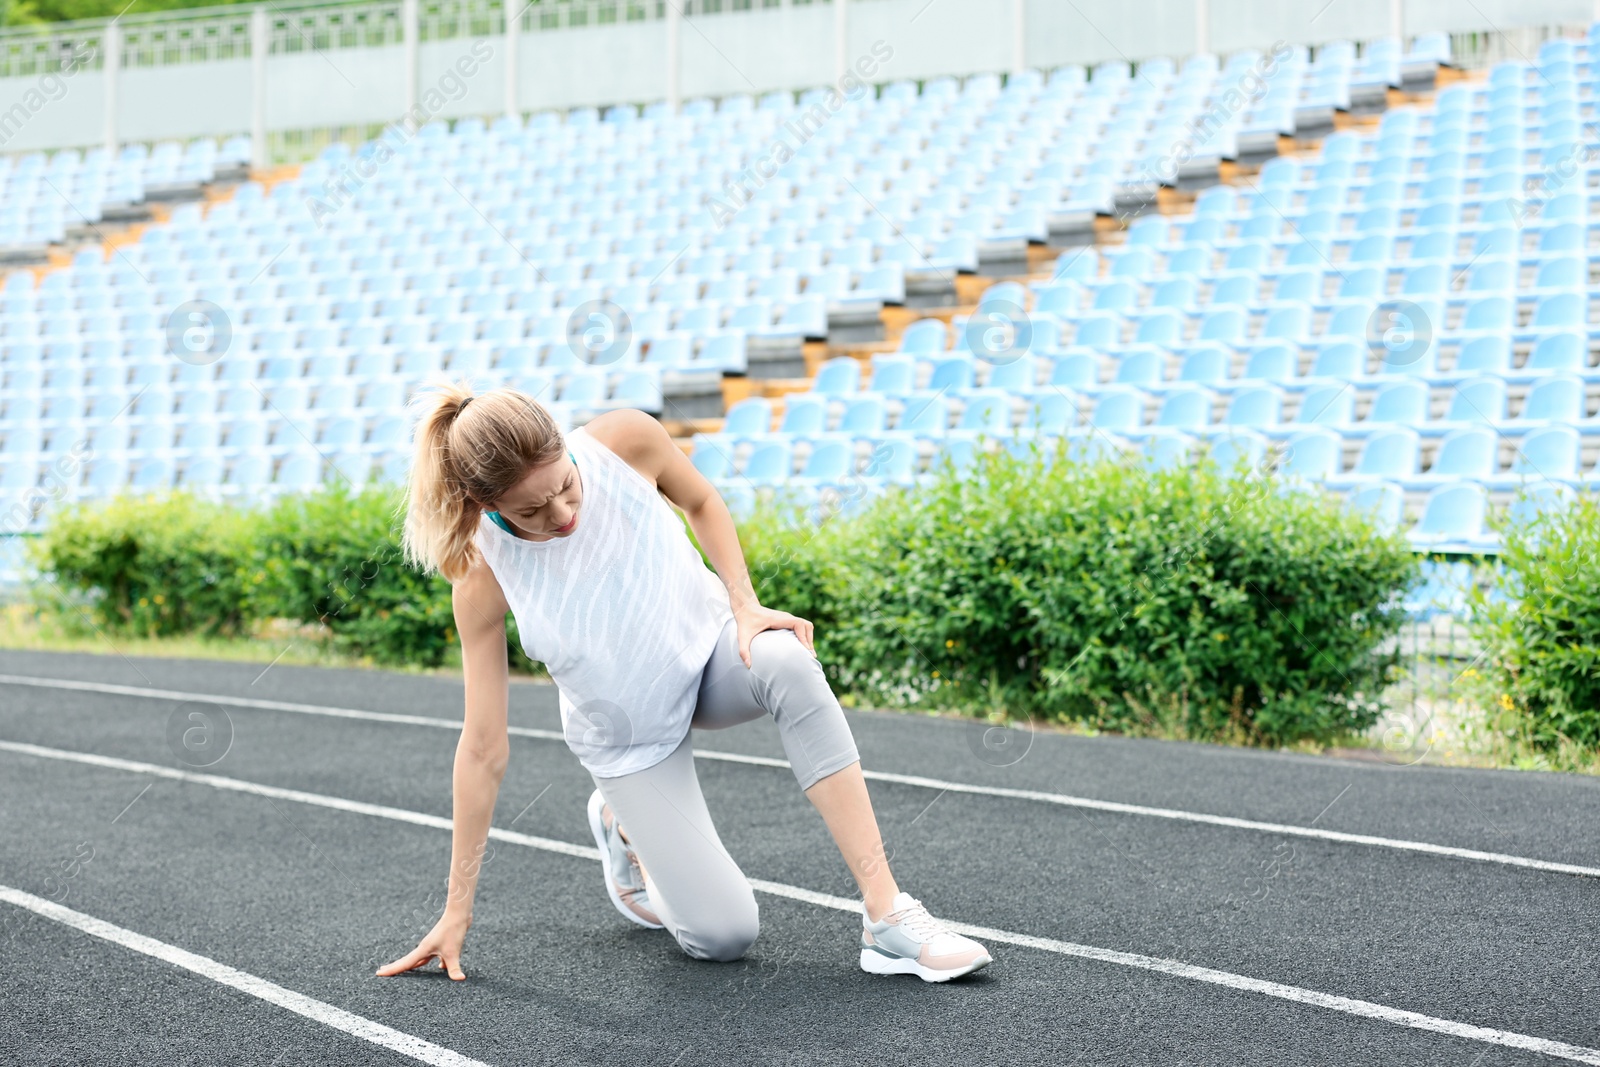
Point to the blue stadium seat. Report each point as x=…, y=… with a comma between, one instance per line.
x=770, y=463
x=1311, y=457
x=893, y=460
x=1466, y=453
x=804, y=415
x=1453, y=518
x=1388, y=455
x=1548, y=455
x=922, y=415
x=1560, y=353
x=1254, y=407
x=840, y=375
x=752, y=415
x=1117, y=409
x=986, y=411
x=865, y=416
x=892, y=374
x=1343, y=360
x=1487, y=354
x=1242, y=447
x=710, y=458
x=1558, y=398
x=829, y=462
x=957, y=373
x=1051, y=413
x=1018, y=375
x=1402, y=403
x=1076, y=370
x=960, y=453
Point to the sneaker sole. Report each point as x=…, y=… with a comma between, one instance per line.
x=597, y=827
x=874, y=962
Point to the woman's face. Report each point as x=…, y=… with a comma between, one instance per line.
x=544, y=505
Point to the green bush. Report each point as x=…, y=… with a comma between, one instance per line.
x=333, y=556
x=1191, y=603
x=152, y=565
x=1538, y=620
x=177, y=564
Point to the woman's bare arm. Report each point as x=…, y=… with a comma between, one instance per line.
x=480, y=765
x=644, y=444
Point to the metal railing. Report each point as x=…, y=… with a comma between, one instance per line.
x=206, y=34
x=1484, y=48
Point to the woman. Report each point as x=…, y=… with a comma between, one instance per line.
x=571, y=535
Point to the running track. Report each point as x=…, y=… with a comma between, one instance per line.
x=1145, y=902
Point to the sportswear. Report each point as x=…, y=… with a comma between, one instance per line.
x=625, y=881
x=622, y=612
x=910, y=941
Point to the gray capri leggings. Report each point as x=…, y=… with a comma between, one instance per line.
x=699, y=892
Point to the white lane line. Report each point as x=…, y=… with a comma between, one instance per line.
x=1040, y=796
x=317, y=1011
x=239, y=785
x=1176, y=968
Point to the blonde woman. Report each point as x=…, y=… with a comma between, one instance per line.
x=569, y=533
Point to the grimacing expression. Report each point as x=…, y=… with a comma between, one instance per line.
x=544, y=501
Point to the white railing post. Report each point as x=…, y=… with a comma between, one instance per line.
x=841, y=33
x=1397, y=21
x=1202, y=26
x=514, y=9
x=110, y=67
x=1019, y=42
x=260, y=44
x=674, y=56
x=408, y=31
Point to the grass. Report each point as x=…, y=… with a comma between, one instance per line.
x=26, y=628
x=1443, y=733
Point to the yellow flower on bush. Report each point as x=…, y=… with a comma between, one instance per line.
x=1506, y=702
x=949, y=643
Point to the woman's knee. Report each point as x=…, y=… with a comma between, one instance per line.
x=778, y=656
x=728, y=935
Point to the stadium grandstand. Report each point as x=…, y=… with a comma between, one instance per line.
x=1354, y=262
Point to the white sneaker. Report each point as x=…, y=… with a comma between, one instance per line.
x=625, y=882
x=910, y=941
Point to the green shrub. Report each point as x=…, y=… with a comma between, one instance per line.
x=1538, y=621
x=152, y=565
x=179, y=564
x=333, y=556
x=1189, y=602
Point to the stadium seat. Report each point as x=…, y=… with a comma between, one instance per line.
x=1452, y=519
x=1311, y=457
x=1388, y=455
x=1547, y=455
x=1463, y=454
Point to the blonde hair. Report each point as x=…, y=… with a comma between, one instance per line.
x=470, y=451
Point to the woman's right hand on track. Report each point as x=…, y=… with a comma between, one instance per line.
x=443, y=941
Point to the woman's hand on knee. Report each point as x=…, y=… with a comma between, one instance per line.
x=756, y=618
x=442, y=942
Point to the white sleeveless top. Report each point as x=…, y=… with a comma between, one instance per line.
x=622, y=612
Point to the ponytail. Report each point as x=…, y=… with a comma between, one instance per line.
x=463, y=463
